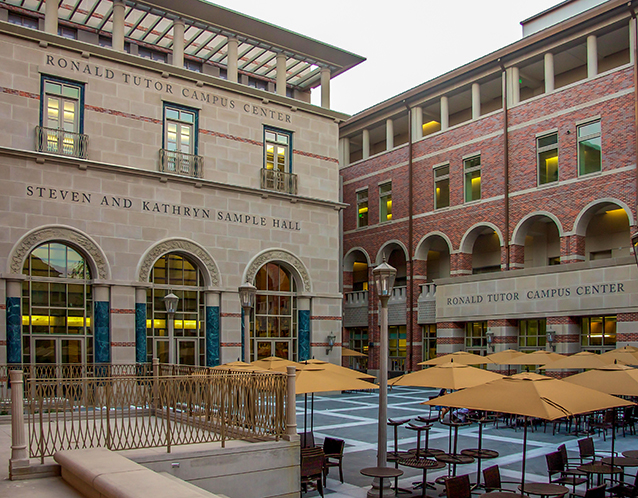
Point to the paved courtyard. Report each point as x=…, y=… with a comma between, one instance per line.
x=353, y=417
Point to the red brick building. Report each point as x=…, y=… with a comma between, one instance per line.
x=504, y=192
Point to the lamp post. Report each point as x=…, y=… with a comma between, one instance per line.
x=170, y=301
x=247, y=293
x=383, y=275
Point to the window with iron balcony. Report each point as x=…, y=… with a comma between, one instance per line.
x=179, y=152
x=277, y=173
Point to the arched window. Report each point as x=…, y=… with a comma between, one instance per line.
x=57, y=306
x=184, y=343
x=274, y=324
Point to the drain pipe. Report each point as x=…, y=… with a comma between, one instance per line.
x=635, y=54
x=410, y=296
x=506, y=168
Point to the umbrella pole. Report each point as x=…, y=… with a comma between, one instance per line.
x=524, y=455
x=305, y=413
x=613, y=438
x=312, y=412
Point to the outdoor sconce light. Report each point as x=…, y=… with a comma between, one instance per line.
x=551, y=338
x=247, y=293
x=331, y=342
x=634, y=243
x=490, y=340
x=170, y=301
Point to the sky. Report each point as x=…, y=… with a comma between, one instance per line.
x=405, y=42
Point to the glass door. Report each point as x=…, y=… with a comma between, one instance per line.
x=186, y=352
x=162, y=350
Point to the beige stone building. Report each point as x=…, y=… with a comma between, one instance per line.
x=145, y=151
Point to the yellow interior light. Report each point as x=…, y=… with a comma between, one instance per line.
x=431, y=127
x=476, y=180
x=389, y=204
x=615, y=211
x=363, y=209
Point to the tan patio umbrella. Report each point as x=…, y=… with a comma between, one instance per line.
x=504, y=357
x=274, y=362
x=530, y=375
x=536, y=358
x=627, y=355
x=351, y=352
x=545, y=398
x=348, y=372
x=450, y=375
x=584, y=359
x=458, y=357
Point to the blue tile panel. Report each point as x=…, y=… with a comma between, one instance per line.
x=140, y=332
x=212, y=336
x=304, y=335
x=14, y=335
x=102, y=332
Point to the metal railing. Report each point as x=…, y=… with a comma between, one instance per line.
x=153, y=411
x=62, y=142
x=172, y=161
x=279, y=181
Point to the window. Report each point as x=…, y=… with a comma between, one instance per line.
x=429, y=342
x=193, y=65
x=598, y=333
x=385, y=202
x=274, y=325
x=397, y=347
x=107, y=41
x=61, y=118
x=442, y=187
x=277, y=150
x=154, y=55
x=589, y=148
x=359, y=343
x=472, y=168
x=258, y=83
x=476, y=337
x=175, y=273
x=27, y=22
x=179, y=153
x=532, y=334
x=66, y=32
x=362, y=208
x=547, y=150
x=57, y=306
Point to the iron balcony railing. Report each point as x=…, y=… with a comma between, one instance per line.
x=172, y=161
x=279, y=181
x=64, y=143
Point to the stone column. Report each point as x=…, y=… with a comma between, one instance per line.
x=118, y=25
x=291, y=406
x=632, y=39
x=231, y=64
x=417, y=123
x=19, y=456
x=389, y=134
x=626, y=329
x=303, y=306
x=141, y=354
x=549, y=72
x=325, y=88
x=505, y=337
x=281, y=74
x=567, y=333
x=14, y=320
x=366, y=144
x=344, y=149
x=476, y=101
x=592, y=56
x=101, y=323
x=515, y=77
x=213, y=336
x=450, y=337
x=445, y=114
x=51, y=17
x=517, y=256
x=178, y=43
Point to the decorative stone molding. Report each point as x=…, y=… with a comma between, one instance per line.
x=207, y=263
x=281, y=256
x=96, y=258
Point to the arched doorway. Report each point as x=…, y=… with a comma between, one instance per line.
x=57, y=306
x=185, y=345
x=539, y=234
x=274, y=321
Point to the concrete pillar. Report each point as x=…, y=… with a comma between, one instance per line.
x=51, y=17
x=366, y=144
x=476, y=101
x=281, y=74
x=417, y=122
x=517, y=256
x=450, y=337
x=141, y=353
x=505, y=337
x=118, y=25
x=102, y=323
x=325, y=88
x=344, y=149
x=213, y=334
x=291, y=412
x=231, y=64
x=445, y=114
x=632, y=40
x=303, y=305
x=19, y=456
x=549, y=72
x=592, y=56
x=14, y=321
x=516, y=86
x=178, y=43
x=389, y=134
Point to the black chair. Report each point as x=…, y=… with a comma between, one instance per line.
x=596, y=492
x=555, y=466
x=492, y=480
x=588, y=453
x=623, y=489
x=333, y=451
x=570, y=468
x=312, y=465
x=458, y=487
x=607, y=422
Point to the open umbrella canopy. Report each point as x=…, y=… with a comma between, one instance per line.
x=348, y=372
x=315, y=379
x=545, y=398
x=530, y=375
x=536, y=358
x=616, y=379
x=351, y=352
x=504, y=357
x=584, y=359
x=450, y=375
x=274, y=362
x=627, y=355
x=458, y=357
x=240, y=366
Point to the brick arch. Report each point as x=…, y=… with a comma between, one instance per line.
x=520, y=231
x=293, y=263
x=587, y=213
x=424, y=244
x=470, y=236
x=348, y=258
x=382, y=252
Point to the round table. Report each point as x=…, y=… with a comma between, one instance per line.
x=422, y=463
x=544, y=489
x=502, y=494
x=621, y=462
x=599, y=469
x=630, y=453
x=381, y=473
x=454, y=459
